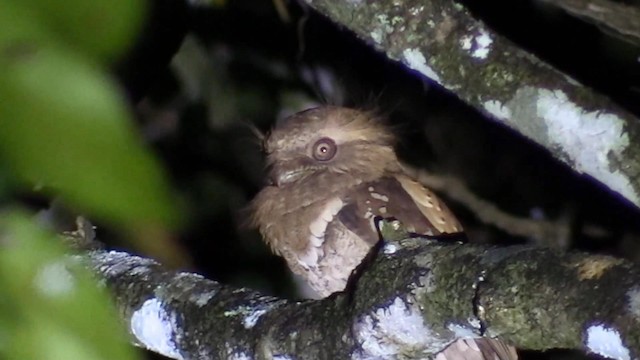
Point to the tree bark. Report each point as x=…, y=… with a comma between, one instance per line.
x=410, y=300
x=441, y=40
x=414, y=297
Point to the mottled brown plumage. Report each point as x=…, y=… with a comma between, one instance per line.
x=332, y=170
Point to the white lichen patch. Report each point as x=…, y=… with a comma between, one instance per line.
x=237, y=311
x=416, y=60
x=251, y=319
x=416, y=10
x=475, y=323
x=239, y=355
x=140, y=270
x=588, y=138
x=377, y=35
x=382, y=29
x=187, y=277
x=480, y=45
x=483, y=45
x=54, y=280
x=155, y=328
x=390, y=248
x=236, y=353
x=397, y=328
x=203, y=299
x=466, y=42
x=116, y=263
x=200, y=289
x=606, y=342
x=497, y=110
x=633, y=301
x=250, y=315
x=465, y=331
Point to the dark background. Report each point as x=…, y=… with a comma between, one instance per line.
x=242, y=63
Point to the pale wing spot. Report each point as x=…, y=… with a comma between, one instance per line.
x=416, y=191
x=383, y=210
x=380, y=197
x=368, y=214
x=371, y=188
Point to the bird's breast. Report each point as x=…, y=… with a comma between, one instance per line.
x=325, y=232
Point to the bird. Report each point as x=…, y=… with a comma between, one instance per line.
x=332, y=171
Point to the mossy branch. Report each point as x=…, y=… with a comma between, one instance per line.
x=411, y=300
x=442, y=41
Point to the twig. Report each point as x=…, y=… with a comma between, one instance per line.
x=555, y=234
x=619, y=19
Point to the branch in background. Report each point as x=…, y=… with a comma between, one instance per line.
x=441, y=40
x=554, y=234
x=619, y=19
x=412, y=300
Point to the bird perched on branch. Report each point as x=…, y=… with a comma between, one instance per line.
x=332, y=170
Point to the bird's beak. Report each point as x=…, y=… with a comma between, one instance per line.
x=279, y=177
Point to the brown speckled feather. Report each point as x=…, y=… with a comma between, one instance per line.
x=419, y=210
x=478, y=349
x=430, y=206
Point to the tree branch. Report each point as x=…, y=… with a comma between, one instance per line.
x=547, y=233
x=442, y=41
x=619, y=19
x=413, y=299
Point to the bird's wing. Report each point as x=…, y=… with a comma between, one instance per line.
x=419, y=210
x=478, y=349
x=430, y=206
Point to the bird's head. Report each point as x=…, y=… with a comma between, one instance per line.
x=327, y=140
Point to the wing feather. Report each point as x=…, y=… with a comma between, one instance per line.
x=430, y=206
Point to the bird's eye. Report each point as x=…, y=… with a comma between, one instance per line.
x=324, y=149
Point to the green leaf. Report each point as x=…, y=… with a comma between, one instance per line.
x=99, y=28
x=67, y=129
x=51, y=308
